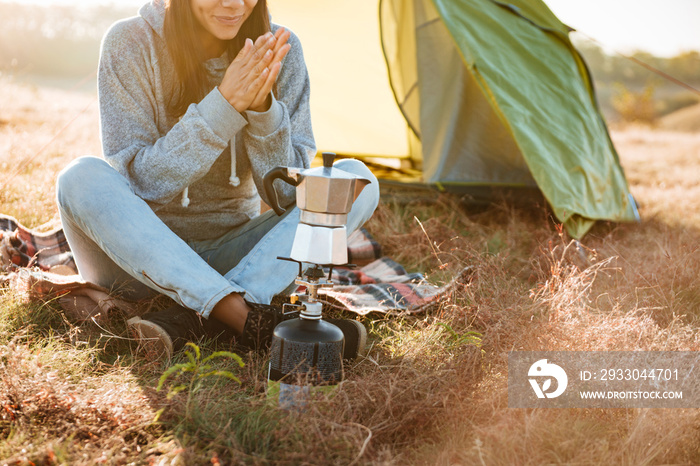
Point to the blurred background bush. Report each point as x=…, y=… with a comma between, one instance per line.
x=57, y=41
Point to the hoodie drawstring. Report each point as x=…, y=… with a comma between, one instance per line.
x=185, y=201
x=233, y=179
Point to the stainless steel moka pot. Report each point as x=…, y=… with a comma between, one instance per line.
x=324, y=196
x=307, y=351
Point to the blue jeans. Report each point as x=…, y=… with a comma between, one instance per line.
x=119, y=243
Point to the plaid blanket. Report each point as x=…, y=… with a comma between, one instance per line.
x=381, y=286
x=41, y=266
x=22, y=247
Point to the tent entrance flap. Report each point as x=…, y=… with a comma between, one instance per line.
x=464, y=140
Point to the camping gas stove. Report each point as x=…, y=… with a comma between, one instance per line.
x=307, y=352
x=313, y=280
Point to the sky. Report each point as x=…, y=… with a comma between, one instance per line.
x=662, y=27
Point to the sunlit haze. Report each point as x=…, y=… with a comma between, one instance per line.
x=664, y=28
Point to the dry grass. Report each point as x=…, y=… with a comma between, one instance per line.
x=31, y=153
x=433, y=388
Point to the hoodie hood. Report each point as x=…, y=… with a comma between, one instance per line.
x=154, y=14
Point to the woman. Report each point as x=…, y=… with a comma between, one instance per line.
x=198, y=100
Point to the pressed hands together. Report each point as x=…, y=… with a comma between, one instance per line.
x=251, y=75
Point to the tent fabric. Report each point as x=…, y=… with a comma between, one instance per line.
x=500, y=96
x=480, y=93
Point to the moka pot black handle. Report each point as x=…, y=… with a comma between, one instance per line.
x=268, y=180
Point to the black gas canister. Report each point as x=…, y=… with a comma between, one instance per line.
x=306, y=356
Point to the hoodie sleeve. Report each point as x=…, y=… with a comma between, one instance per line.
x=282, y=136
x=157, y=166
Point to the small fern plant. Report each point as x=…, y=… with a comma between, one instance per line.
x=199, y=368
x=455, y=339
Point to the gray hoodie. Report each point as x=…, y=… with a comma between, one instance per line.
x=213, y=155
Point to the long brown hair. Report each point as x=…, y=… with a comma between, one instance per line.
x=186, y=49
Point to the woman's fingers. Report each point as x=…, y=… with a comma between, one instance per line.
x=259, y=59
x=261, y=103
x=264, y=43
x=271, y=42
x=282, y=36
x=264, y=39
x=277, y=53
x=260, y=56
x=251, y=76
x=281, y=53
x=243, y=54
x=260, y=81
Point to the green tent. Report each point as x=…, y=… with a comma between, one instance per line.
x=491, y=94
